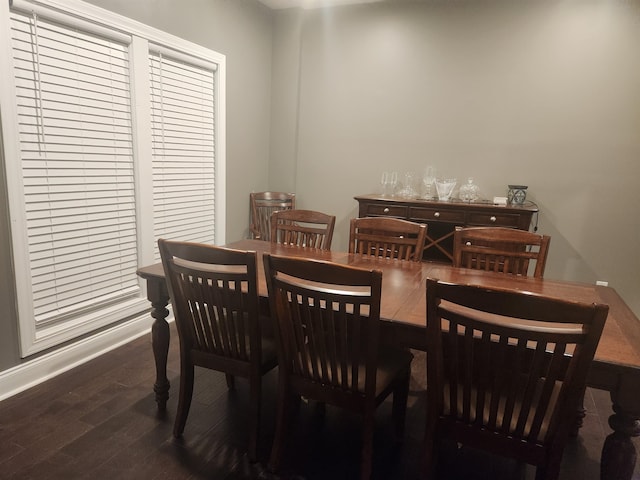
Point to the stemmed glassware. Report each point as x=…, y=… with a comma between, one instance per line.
x=428, y=179
x=389, y=181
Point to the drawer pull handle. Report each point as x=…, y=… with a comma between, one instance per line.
x=437, y=214
x=386, y=210
x=493, y=219
x=468, y=244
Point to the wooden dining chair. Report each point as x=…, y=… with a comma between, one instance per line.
x=263, y=204
x=505, y=371
x=327, y=323
x=500, y=249
x=387, y=237
x=302, y=228
x=214, y=295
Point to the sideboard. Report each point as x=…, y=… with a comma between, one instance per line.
x=442, y=217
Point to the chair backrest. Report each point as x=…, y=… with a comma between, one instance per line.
x=387, y=237
x=214, y=295
x=498, y=366
x=263, y=204
x=500, y=249
x=302, y=228
x=326, y=318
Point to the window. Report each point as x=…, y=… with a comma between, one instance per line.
x=182, y=105
x=95, y=181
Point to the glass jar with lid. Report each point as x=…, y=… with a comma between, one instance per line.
x=469, y=192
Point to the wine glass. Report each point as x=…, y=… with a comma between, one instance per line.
x=389, y=181
x=428, y=180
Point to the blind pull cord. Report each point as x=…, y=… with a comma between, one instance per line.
x=40, y=126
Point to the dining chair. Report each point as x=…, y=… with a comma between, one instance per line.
x=214, y=295
x=327, y=323
x=302, y=228
x=387, y=237
x=505, y=371
x=263, y=204
x=500, y=249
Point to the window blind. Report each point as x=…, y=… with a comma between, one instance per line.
x=74, y=115
x=183, y=144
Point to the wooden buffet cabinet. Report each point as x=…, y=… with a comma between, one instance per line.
x=443, y=216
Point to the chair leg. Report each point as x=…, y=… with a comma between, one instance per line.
x=399, y=409
x=431, y=448
x=282, y=415
x=581, y=412
x=551, y=470
x=255, y=387
x=368, y=426
x=231, y=381
x=184, y=398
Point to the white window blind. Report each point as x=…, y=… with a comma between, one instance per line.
x=74, y=116
x=183, y=122
x=108, y=146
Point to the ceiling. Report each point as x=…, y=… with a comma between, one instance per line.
x=279, y=4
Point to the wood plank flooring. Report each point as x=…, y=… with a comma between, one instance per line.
x=99, y=421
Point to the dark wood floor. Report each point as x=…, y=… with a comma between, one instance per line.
x=99, y=421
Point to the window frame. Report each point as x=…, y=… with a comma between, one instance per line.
x=34, y=339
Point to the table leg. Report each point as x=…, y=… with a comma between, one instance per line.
x=619, y=453
x=581, y=412
x=159, y=298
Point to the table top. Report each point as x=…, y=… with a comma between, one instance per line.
x=404, y=300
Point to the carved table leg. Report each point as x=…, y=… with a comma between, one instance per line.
x=159, y=298
x=619, y=453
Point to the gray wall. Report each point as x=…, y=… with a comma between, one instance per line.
x=241, y=30
x=541, y=93
x=545, y=94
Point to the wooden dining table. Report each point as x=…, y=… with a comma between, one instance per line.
x=616, y=366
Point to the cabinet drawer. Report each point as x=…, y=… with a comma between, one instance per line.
x=436, y=215
x=381, y=210
x=490, y=219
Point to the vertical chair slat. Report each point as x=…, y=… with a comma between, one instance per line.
x=453, y=367
x=466, y=378
x=553, y=375
x=212, y=328
x=533, y=375
x=483, y=358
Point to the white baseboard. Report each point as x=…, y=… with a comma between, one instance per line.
x=38, y=370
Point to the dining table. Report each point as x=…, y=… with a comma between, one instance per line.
x=615, y=368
